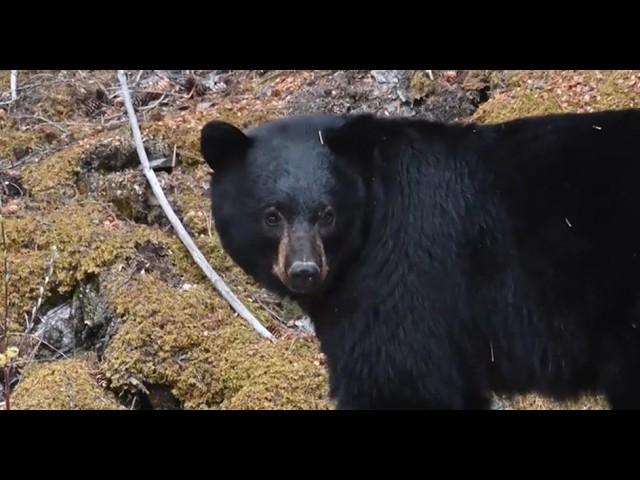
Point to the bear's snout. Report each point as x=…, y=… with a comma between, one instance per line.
x=300, y=262
x=304, y=276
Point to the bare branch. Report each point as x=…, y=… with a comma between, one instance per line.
x=184, y=236
x=135, y=82
x=14, y=85
x=5, y=317
x=43, y=288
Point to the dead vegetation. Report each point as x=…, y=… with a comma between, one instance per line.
x=125, y=319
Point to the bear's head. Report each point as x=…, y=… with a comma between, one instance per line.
x=289, y=198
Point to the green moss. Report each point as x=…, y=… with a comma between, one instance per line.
x=421, y=85
x=63, y=385
x=183, y=129
x=86, y=238
x=258, y=375
x=57, y=173
x=187, y=338
x=26, y=274
x=56, y=177
x=241, y=284
x=532, y=93
x=193, y=202
x=515, y=100
x=191, y=341
x=60, y=103
x=14, y=139
x=163, y=339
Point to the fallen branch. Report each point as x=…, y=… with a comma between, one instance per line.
x=4, y=349
x=14, y=85
x=217, y=282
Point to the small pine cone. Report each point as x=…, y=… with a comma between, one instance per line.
x=143, y=99
x=92, y=106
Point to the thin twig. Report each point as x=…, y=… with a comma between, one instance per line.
x=14, y=85
x=184, y=236
x=5, y=319
x=154, y=104
x=35, y=349
x=7, y=387
x=43, y=288
x=52, y=123
x=271, y=312
x=41, y=341
x=29, y=84
x=16, y=186
x=135, y=82
x=16, y=164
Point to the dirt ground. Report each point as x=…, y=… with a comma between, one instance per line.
x=104, y=306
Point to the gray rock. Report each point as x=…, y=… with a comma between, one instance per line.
x=57, y=330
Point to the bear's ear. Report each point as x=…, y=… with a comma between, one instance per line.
x=359, y=138
x=222, y=143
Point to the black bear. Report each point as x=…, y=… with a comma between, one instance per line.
x=441, y=263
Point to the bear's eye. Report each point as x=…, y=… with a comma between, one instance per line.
x=272, y=218
x=328, y=217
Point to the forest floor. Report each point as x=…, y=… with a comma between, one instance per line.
x=103, y=303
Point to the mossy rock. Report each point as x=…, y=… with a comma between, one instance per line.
x=274, y=376
x=189, y=340
x=80, y=238
x=55, y=176
x=63, y=385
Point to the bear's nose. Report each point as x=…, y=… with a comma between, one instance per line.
x=303, y=276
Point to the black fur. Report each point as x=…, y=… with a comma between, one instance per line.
x=469, y=259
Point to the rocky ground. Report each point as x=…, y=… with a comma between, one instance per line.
x=105, y=308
